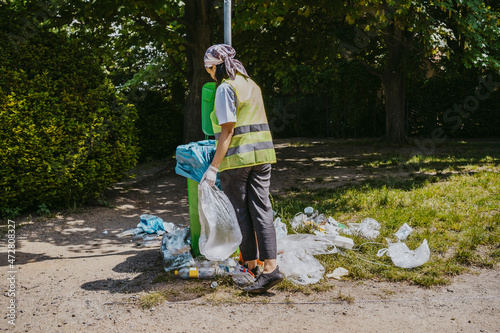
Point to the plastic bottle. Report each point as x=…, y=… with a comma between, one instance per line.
x=197, y=272
x=130, y=232
x=243, y=276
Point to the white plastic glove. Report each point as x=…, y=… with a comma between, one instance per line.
x=210, y=175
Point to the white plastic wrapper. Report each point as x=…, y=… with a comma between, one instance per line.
x=368, y=228
x=300, y=267
x=280, y=228
x=296, y=255
x=403, y=232
x=403, y=257
x=220, y=233
x=338, y=273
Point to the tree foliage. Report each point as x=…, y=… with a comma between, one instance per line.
x=401, y=36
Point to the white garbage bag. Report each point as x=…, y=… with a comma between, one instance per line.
x=220, y=234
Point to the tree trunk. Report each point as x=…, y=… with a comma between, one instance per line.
x=394, y=81
x=199, y=17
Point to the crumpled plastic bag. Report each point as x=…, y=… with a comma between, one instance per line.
x=150, y=223
x=300, y=267
x=154, y=224
x=368, y=228
x=298, y=220
x=403, y=257
x=194, y=158
x=312, y=244
x=338, y=273
x=220, y=234
x=296, y=256
x=403, y=232
x=176, y=249
x=280, y=228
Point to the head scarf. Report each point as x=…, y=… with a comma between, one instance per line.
x=222, y=53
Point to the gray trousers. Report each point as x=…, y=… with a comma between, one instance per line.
x=248, y=191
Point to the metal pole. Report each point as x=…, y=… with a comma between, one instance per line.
x=227, y=22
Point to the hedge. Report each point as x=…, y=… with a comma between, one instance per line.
x=65, y=135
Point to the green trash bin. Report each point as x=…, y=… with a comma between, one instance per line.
x=194, y=218
x=207, y=106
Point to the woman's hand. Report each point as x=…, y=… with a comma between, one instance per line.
x=210, y=176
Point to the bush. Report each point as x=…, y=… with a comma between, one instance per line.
x=65, y=135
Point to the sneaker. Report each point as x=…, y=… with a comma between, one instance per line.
x=265, y=282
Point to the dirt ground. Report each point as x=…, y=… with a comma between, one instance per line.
x=74, y=275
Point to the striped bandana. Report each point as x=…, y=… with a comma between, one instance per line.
x=222, y=53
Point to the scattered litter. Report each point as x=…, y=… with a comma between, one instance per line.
x=197, y=272
x=176, y=249
x=280, y=228
x=220, y=234
x=150, y=229
x=300, y=267
x=368, y=228
x=150, y=240
x=319, y=223
x=314, y=244
x=200, y=268
x=309, y=211
x=296, y=255
x=338, y=273
x=130, y=232
x=105, y=232
x=334, y=222
x=242, y=276
x=152, y=224
x=403, y=257
x=214, y=285
x=403, y=232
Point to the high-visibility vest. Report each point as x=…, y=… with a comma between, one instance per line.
x=252, y=143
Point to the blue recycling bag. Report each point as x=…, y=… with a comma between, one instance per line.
x=150, y=223
x=194, y=158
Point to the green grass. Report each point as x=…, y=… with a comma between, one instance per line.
x=452, y=200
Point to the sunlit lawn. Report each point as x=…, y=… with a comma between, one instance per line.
x=451, y=198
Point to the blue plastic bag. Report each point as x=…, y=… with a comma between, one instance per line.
x=194, y=159
x=150, y=223
x=176, y=249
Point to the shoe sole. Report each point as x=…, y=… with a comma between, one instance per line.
x=263, y=290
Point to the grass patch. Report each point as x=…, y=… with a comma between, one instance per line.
x=344, y=298
x=154, y=298
x=452, y=200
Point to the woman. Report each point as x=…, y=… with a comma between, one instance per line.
x=243, y=157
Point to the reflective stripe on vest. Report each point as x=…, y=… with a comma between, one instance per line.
x=252, y=143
